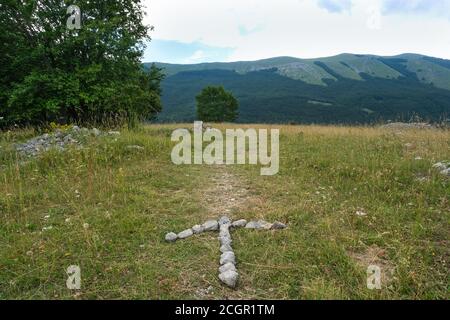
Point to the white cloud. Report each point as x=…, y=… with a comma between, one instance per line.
x=298, y=28
x=198, y=56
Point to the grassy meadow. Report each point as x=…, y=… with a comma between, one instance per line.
x=351, y=196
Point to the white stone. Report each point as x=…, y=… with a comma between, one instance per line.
x=227, y=267
x=258, y=225
x=224, y=220
x=239, y=223
x=197, y=229
x=211, y=225
x=278, y=226
x=185, y=234
x=227, y=257
x=446, y=172
x=171, y=237
x=230, y=278
x=134, y=147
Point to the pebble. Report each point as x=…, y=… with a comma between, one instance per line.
x=96, y=132
x=134, y=147
x=185, y=234
x=258, y=225
x=224, y=220
x=171, y=237
x=58, y=140
x=227, y=271
x=229, y=278
x=197, y=229
x=225, y=248
x=225, y=241
x=226, y=267
x=278, y=226
x=211, y=225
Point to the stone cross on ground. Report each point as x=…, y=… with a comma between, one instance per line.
x=227, y=272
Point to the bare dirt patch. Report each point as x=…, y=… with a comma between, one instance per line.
x=227, y=194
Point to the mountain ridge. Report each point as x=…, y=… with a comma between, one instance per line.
x=360, y=87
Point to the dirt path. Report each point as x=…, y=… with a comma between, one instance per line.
x=228, y=194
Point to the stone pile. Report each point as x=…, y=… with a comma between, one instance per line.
x=228, y=273
x=59, y=140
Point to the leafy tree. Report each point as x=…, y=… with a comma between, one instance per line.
x=51, y=73
x=214, y=104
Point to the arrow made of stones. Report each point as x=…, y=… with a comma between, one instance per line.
x=227, y=271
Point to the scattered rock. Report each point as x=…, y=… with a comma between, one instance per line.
x=58, y=140
x=239, y=223
x=185, y=234
x=114, y=133
x=227, y=257
x=197, y=229
x=171, y=237
x=229, y=278
x=211, y=225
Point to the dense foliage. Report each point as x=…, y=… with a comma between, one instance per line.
x=266, y=96
x=214, y=104
x=51, y=73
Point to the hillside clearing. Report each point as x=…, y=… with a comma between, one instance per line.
x=107, y=208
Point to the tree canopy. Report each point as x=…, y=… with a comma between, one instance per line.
x=51, y=73
x=214, y=104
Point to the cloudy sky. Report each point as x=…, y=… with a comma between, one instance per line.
x=193, y=31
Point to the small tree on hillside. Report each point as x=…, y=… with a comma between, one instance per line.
x=214, y=104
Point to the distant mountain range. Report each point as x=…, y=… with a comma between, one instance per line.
x=347, y=88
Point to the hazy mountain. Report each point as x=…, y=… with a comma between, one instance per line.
x=347, y=88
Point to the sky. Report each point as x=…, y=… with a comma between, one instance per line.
x=195, y=31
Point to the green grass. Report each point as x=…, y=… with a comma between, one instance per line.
x=110, y=208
